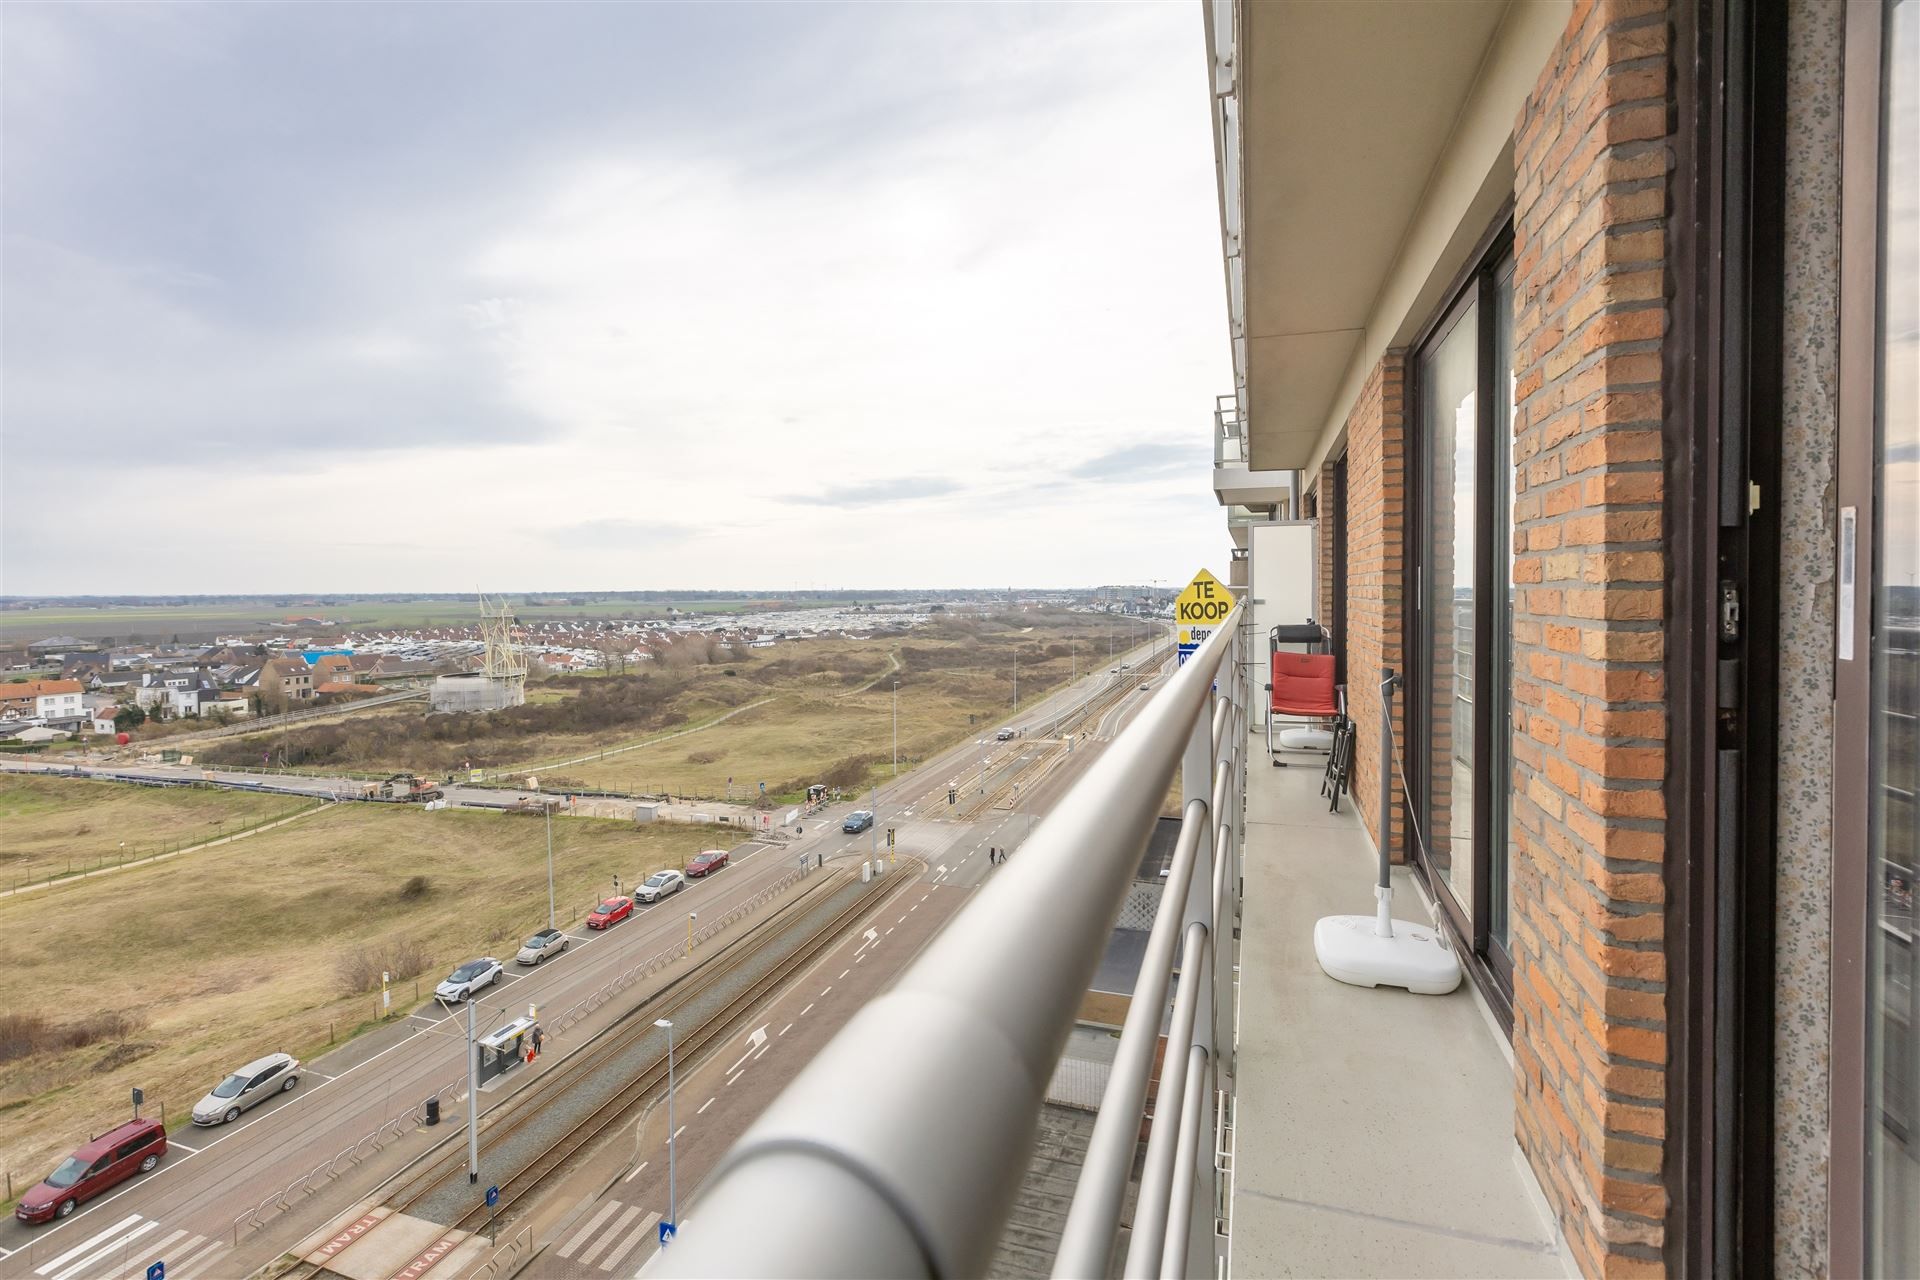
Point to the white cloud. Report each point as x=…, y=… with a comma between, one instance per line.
x=967, y=256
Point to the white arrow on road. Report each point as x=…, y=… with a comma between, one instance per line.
x=754, y=1041
x=873, y=936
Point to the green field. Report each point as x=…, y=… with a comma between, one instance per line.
x=240, y=950
x=49, y=826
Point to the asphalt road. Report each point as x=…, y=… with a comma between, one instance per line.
x=185, y=1210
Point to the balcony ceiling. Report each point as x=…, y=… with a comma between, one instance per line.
x=1346, y=107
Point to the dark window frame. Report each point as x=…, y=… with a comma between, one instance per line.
x=1490, y=962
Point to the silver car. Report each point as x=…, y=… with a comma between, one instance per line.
x=547, y=942
x=247, y=1087
x=467, y=979
x=659, y=885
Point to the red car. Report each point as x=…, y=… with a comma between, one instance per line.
x=110, y=1159
x=710, y=860
x=612, y=911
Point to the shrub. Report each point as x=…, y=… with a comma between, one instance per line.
x=24, y=1035
x=401, y=958
x=415, y=888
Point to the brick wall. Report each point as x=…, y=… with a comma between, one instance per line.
x=1374, y=507
x=1589, y=1039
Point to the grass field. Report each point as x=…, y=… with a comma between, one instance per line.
x=828, y=714
x=48, y=825
x=238, y=952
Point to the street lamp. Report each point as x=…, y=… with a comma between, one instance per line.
x=896, y=728
x=666, y=1024
x=548, y=806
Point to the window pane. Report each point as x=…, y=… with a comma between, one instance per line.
x=1499, y=696
x=1893, y=971
x=1449, y=372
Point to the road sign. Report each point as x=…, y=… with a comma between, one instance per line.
x=493, y=1196
x=158, y=1271
x=666, y=1231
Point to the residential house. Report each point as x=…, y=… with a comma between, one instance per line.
x=53, y=701
x=100, y=718
x=225, y=702
x=286, y=682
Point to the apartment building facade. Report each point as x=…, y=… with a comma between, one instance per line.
x=1589, y=333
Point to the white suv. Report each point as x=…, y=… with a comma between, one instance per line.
x=659, y=885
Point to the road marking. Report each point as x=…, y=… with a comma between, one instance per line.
x=593, y=1224
x=858, y=959
x=195, y=1259
x=804, y=1012
x=104, y=1250
x=786, y=1028
x=160, y=1248
x=613, y=1233
x=762, y=1053
x=703, y=1106
x=637, y=1172
x=901, y=920
x=914, y=907
x=643, y=1232
x=676, y=1133
x=735, y=1076
x=88, y=1243
x=843, y=974
x=890, y=927
x=826, y=989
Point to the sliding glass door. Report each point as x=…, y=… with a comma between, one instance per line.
x=1459, y=711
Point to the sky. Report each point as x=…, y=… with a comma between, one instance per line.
x=437, y=297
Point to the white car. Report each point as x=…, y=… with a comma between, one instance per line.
x=247, y=1087
x=467, y=979
x=659, y=885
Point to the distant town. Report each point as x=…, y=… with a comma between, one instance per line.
x=147, y=662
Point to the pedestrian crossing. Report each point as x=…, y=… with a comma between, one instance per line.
x=607, y=1239
x=126, y=1249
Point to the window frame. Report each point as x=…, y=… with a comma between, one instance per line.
x=1490, y=960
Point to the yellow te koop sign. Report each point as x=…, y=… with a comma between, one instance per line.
x=1202, y=606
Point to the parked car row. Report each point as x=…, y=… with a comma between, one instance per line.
x=139, y=1145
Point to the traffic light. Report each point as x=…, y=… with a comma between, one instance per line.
x=951, y=794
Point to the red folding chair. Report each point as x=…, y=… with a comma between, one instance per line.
x=1305, y=686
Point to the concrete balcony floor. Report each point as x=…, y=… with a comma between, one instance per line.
x=1373, y=1128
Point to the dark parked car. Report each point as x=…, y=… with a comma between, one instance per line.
x=705, y=862
x=107, y=1161
x=858, y=820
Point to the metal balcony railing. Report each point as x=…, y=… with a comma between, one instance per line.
x=1229, y=435
x=900, y=1150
